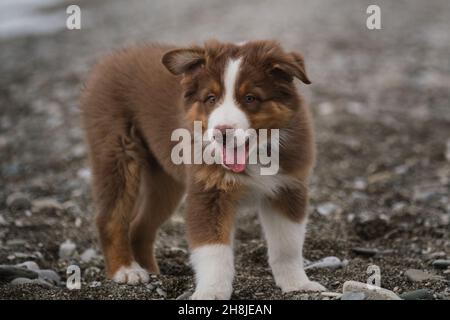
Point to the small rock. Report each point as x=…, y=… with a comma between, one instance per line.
x=18, y=201
x=49, y=276
x=161, y=292
x=78, y=222
x=85, y=174
x=67, y=249
x=441, y=264
x=353, y=296
x=185, y=295
x=367, y=252
x=30, y=265
x=371, y=228
x=47, y=205
x=71, y=207
x=421, y=294
x=91, y=272
x=88, y=255
x=416, y=275
x=22, y=281
x=371, y=292
x=436, y=255
x=379, y=177
x=360, y=184
x=95, y=284
x=16, y=242
x=331, y=294
x=8, y=273
x=150, y=287
x=78, y=151
x=3, y=221
x=328, y=208
x=327, y=262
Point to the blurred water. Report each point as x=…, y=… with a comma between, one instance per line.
x=24, y=17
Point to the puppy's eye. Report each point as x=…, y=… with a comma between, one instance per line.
x=211, y=99
x=249, y=98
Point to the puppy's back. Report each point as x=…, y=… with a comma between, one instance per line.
x=132, y=89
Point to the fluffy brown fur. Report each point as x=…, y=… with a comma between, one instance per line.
x=133, y=101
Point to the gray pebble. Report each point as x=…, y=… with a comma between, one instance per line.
x=47, y=205
x=95, y=284
x=67, y=249
x=353, y=296
x=367, y=252
x=441, y=264
x=327, y=262
x=22, y=281
x=161, y=292
x=436, y=255
x=3, y=221
x=49, y=276
x=71, y=207
x=416, y=275
x=371, y=292
x=16, y=242
x=421, y=294
x=30, y=265
x=328, y=208
x=88, y=255
x=185, y=295
x=331, y=294
x=18, y=201
x=91, y=272
x=8, y=273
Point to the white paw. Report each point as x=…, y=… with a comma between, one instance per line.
x=133, y=275
x=303, y=286
x=211, y=294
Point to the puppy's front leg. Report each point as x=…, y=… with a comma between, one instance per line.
x=210, y=217
x=284, y=227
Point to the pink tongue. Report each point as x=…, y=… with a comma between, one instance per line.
x=235, y=161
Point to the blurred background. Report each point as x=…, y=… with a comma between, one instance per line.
x=381, y=103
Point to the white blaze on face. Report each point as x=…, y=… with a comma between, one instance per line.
x=228, y=112
x=228, y=115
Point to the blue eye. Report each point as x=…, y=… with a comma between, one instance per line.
x=249, y=98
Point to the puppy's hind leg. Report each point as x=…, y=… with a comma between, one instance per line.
x=115, y=184
x=159, y=195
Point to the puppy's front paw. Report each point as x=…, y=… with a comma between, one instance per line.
x=211, y=294
x=133, y=274
x=303, y=286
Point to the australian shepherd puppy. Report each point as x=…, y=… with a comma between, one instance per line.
x=133, y=103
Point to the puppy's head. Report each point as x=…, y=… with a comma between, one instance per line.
x=228, y=86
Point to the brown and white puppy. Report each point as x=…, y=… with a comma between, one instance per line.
x=133, y=102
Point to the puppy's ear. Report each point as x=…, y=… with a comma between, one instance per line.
x=292, y=66
x=181, y=61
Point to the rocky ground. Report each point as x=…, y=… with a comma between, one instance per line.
x=380, y=193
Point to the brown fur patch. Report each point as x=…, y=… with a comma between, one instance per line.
x=210, y=215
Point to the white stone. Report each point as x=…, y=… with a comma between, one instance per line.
x=67, y=249
x=371, y=292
